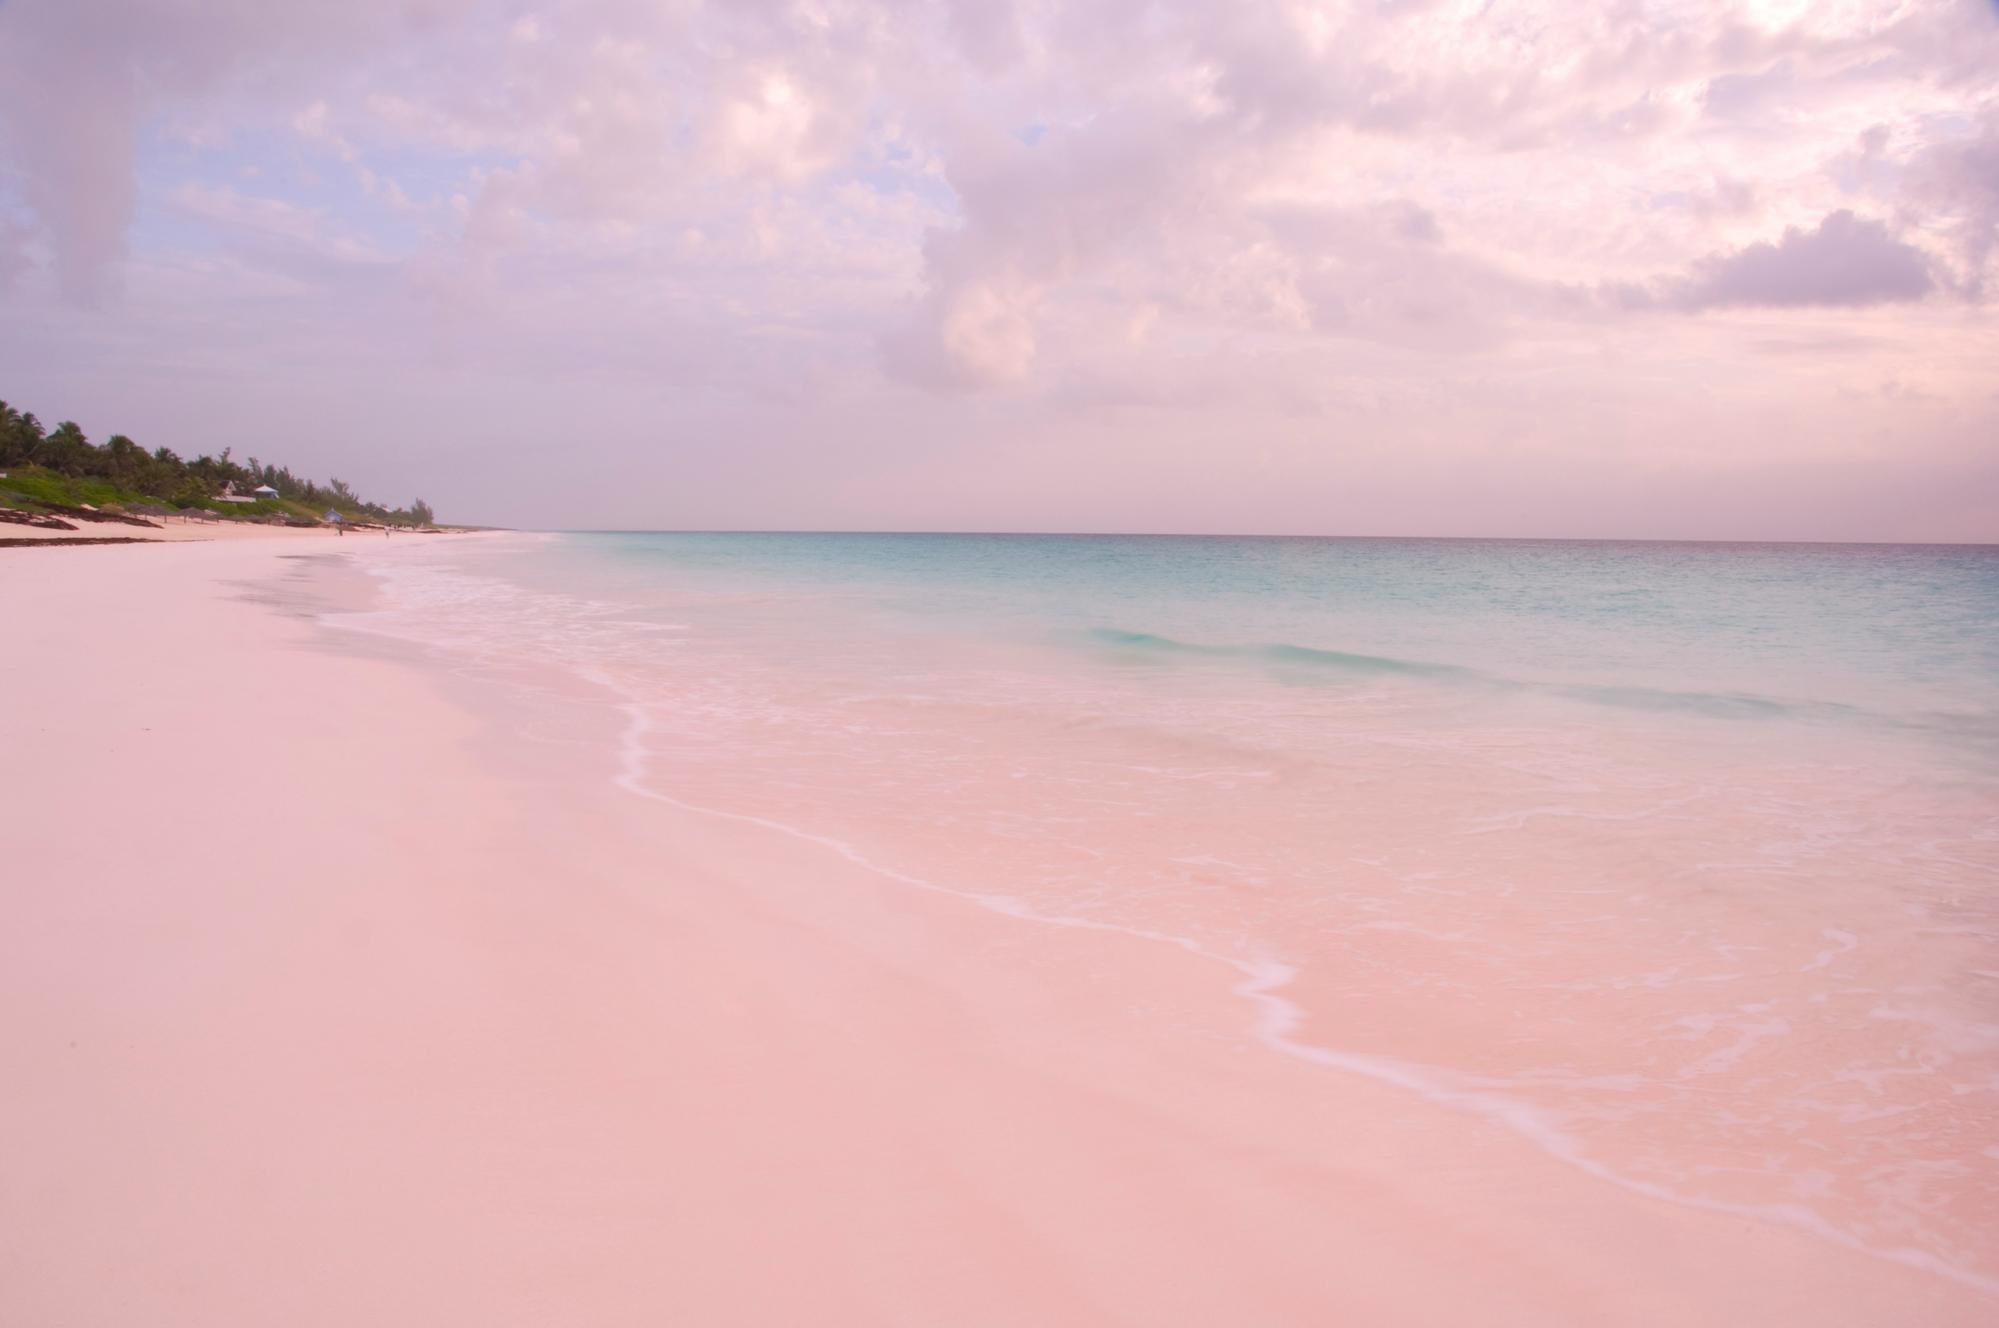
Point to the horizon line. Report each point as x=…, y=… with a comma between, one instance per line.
x=1228, y=535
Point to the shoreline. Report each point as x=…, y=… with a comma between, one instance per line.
x=195, y=532
x=1277, y=1023
x=450, y=1028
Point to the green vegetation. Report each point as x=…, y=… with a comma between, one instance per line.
x=62, y=468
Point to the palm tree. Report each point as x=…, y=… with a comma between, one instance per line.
x=20, y=435
x=125, y=460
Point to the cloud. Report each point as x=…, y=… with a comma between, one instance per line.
x=70, y=121
x=237, y=211
x=1433, y=220
x=1159, y=128
x=968, y=335
x=1034, y=216
x=78, y=82
x=1739, y=95
x=1844, y=261
x=1960, y=179
x=1523, y=133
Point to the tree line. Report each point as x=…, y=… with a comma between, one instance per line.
x=164, y=475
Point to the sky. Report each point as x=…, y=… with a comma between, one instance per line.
x=1637, y=268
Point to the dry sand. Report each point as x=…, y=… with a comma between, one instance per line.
x=324, y=1001
x=170, y=530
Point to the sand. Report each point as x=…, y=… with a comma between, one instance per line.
x=169, y=530
x=325, y=999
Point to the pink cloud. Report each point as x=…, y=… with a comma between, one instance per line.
x=1441, y=228
x=1844, y=260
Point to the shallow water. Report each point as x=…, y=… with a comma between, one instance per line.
x=1681, y=860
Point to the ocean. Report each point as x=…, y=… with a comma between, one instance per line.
x=1679, y=860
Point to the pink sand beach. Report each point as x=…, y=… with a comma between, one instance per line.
x=340, y=984
x=332, y=999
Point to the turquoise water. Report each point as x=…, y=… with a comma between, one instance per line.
x=1903, y=632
